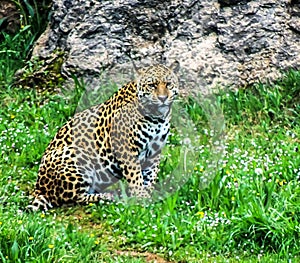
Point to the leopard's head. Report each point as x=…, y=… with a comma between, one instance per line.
x=157, y=88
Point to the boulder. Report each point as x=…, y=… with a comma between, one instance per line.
x=216, y=42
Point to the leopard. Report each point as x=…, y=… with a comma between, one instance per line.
x=119, y=139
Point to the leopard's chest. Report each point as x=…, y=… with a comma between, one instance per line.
x=151, y=138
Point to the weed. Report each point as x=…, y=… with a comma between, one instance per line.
x=14, y=49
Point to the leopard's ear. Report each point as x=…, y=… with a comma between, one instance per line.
x=175, y=66
x=138, y=71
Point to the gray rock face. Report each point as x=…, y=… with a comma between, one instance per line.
x=224, y=42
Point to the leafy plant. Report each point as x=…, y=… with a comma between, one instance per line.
x=14, y=49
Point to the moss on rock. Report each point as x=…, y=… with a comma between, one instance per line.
x=42, y=74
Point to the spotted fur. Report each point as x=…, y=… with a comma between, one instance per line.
x=120, y=138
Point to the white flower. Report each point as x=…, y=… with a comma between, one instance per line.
x=187, y=141
x=258, y=171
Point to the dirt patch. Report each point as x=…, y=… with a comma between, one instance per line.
x=149, y=257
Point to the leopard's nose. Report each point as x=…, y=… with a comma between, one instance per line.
x=162, y=98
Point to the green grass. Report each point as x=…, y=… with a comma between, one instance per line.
x=250, y=212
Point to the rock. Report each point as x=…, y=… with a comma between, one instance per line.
x=227, y=43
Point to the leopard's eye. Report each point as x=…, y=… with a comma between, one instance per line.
x=168, y=85
x=152, y=85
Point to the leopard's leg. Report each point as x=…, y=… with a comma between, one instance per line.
x=44, y=189
x=40, y=202
x=86, y=198
x=150, y=169
x=131, y=170
x=123, y=143
x=134, y=178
